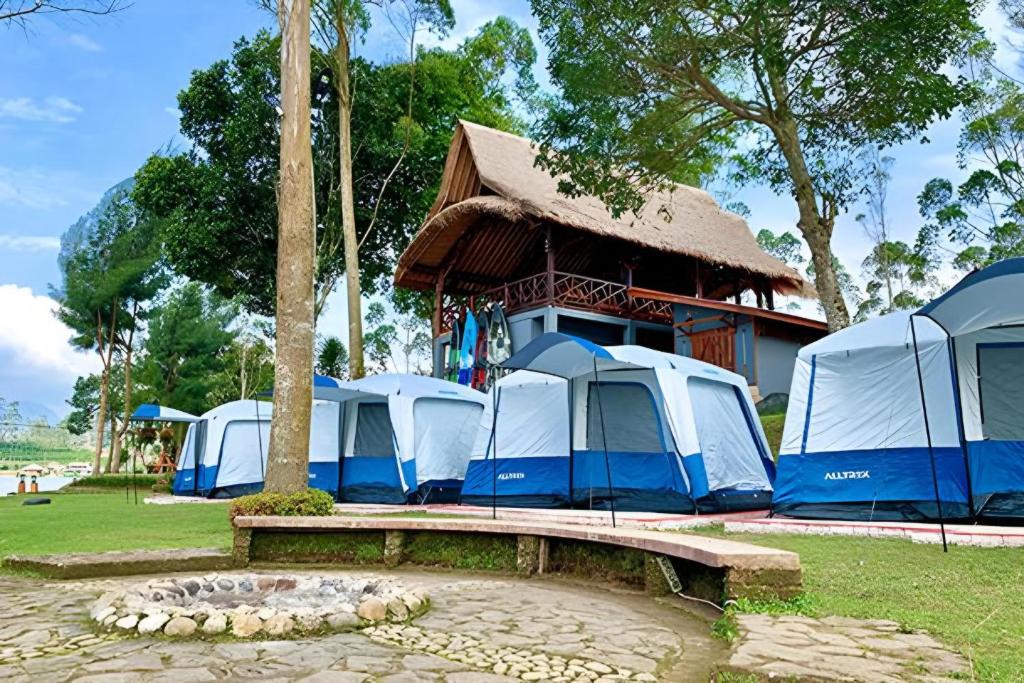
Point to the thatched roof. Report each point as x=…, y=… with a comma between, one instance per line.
x=490, y=176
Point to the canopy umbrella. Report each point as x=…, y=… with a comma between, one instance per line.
x=151, y=412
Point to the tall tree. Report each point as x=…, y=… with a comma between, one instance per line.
x=107, y=282
x=288, y=458
x=187, y=337
x=895, y=271
x=652, y=90
x=248, y=369
x=217, y=200
x=982, y=217
x=339, y=24
x=332, y=358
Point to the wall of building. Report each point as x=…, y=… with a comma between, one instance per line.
x=775, y=360
x=603, y=329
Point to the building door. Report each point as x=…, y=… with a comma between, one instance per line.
x=716, y=346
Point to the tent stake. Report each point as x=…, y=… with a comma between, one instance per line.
x=928, y=435
x=604, y=441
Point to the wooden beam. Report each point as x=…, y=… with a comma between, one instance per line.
x=642, y=293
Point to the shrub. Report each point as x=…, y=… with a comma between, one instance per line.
x=113, y=481
x=311, y=502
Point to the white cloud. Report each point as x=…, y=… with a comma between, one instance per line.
x=173, y=111
x=30, y=189
x=29, y=243
x=84, y=42
x=50, y=109
x=37, y=361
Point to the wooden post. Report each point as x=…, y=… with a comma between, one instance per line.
x=698, y=284
x=438, y=305
x=770, y=298
x=760, y=298
x=550, y=272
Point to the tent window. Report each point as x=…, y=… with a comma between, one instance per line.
x=373, y=431
x=1001, y=391
x=631, y=424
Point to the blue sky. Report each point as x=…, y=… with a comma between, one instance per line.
x=84, y=102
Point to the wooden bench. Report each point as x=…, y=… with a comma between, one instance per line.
x=711, y=568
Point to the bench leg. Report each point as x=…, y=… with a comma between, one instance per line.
x=394, y=547
x=655, y=583
x=241, y=542
x=528, y=554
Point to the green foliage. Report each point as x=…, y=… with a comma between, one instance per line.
x=247, y=366
x=349, y=547
x=332, y=358
x=773, y=427
x=227, y=177
x=189, y=333
x=311, y=503
x=655, y=90
x=725, y=627
x=597, y=561
x=785, y=246
x=461, y=551
x=409, y=334
x=983, y=215
x=116, y=481
x=116, y=268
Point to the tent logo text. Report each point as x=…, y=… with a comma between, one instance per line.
x=849, y=474
x=511, y=475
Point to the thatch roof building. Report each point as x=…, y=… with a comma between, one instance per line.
x=484, y=229
x=500, y=231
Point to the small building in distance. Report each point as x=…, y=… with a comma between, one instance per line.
x=669, y=278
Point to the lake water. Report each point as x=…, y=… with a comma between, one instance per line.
x=10, y=484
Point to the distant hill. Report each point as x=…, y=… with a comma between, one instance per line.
x=33, y=412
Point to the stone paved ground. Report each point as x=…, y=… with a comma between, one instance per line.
x=841, y=649
x=480, y=625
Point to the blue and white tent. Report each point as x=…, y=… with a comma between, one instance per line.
x=680, y=434
x=225, y=451
x=150, y=412
x=404, y=437
x=875, y=407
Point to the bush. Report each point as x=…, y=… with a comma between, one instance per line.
x=113, y=481
x=312, y=503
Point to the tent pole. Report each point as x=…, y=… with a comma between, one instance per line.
x=342, y=412
x=259, y=440
x=572, y=428
x=928, y=435
x=961, y=434
x=494, y=450
x=604, y=442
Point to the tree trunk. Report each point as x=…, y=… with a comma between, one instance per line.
x=815, y=227
x=288, y=460
x=101, y=420
x=115, y=465
x=350, y=240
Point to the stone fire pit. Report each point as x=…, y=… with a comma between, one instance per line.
x=260, y=604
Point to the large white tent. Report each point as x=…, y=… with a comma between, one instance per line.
x=404, y=437
x=225, y=451
x=890, y=418
x=678, y=434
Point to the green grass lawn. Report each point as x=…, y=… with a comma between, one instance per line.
x=773, y=431
x=104, y=521
x=972, y=599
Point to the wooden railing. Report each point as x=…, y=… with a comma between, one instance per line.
x=569, y=291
